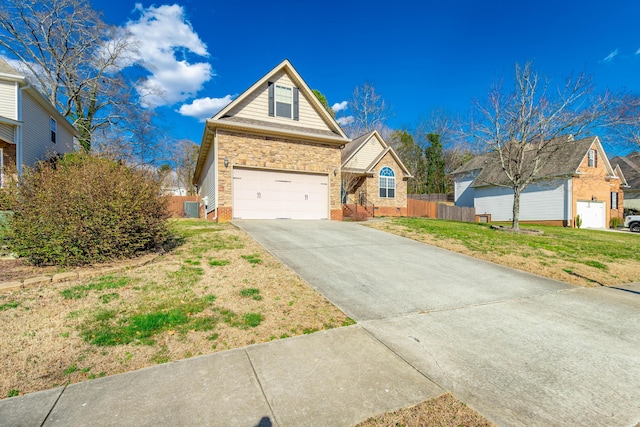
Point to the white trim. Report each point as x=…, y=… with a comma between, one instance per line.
x=53, y=129
x=283, y=88
x=389, y=179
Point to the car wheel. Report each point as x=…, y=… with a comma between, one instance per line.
x=635, y=227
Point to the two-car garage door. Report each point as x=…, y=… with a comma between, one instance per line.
x=261, y=194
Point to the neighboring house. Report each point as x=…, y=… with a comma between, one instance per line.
x=374, y=176
x=273, y=152
x=630, y=167
x=31, y=129
x=171, y=185
x=576, y=179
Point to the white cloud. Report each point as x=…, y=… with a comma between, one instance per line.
x=342, y=121
x=610, y=57
x=204, y=108
x=339, y=106
x=164, y=38
x=638, y=52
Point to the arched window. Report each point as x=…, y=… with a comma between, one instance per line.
x=387, y=183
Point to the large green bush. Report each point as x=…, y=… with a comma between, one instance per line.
x=83, y=209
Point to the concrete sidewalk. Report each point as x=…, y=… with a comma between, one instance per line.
x=330, y=378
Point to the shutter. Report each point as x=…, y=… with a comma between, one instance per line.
x=271, y=99
x=296, y=115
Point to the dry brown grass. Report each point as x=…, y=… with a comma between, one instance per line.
x=443, y=411
x=535, y=261
x=42, y=346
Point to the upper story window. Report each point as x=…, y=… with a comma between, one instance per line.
x=593, y=158
x=283, y=101
x=387, y=183
x=54, y=127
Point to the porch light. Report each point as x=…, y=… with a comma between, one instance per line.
x=335, y=171
x=226, y=162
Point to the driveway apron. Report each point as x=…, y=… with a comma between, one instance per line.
x=519, y=348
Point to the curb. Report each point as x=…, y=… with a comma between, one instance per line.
x=73, y=275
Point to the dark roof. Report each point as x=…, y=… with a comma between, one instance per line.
x=353, y=146
x=564, y=156
x=630, y=167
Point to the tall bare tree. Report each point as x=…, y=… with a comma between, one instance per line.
x=519, y=126
x=72, y=56
x=185, y=157
x=625, y=120
x=369, y=111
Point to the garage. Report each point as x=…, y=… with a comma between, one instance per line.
x=262, y=194
x=593, y=214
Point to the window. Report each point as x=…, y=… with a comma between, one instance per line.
x=614, y=200
x=593, y=158
x=387, y=183
x=54, y=127
x=283, y=101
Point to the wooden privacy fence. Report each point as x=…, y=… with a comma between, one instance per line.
x=419, y=208
x=434, y=197
x=176, y=205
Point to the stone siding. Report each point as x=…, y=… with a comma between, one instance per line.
x=396, y=206
x=278, y=154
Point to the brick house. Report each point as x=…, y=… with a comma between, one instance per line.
x=31, y=129
x=275, y=152
x=576, y=179
x=373, y=177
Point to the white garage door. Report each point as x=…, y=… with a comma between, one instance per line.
x=592, y=214
x=259, y=194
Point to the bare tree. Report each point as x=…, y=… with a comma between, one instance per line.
x=520, y=127
x=185, y=157
x=625, y=120
x=72, y=56
x=369, y=111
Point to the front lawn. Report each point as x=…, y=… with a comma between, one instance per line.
x=578, y=256
x=217, y=290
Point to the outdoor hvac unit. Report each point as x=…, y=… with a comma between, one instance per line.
x=191, y=209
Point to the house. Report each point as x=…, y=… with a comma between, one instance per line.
x=576, y=179
x=373, y=177
x=275, y=152
x=31, y=129
x=630, y=168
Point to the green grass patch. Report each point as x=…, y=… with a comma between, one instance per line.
x=348, y=321
x=109, y=328
x=186, y=276
x=559, y=243
x=252, y=319
x=13, y=393
x=218, y=262
x=252, y=293
x=107, y=298
x=102, y=283
x=595, y=264
x=9, y=305
x=70, y=370
x=252, y=259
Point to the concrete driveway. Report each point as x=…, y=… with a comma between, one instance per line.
x=521, y=349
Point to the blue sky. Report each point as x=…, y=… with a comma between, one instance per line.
x=421, y=56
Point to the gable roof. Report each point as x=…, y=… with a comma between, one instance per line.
x=223, y=120
x=352, y=148
x=7, y=72
x=630, y=167
x=564, y=157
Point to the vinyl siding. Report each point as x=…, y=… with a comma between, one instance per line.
x=463, y=192
x=7, y=133
x=36, y=133
x=539, y=202
x=208, y=187
x=256, y=107
x=8, y=100
x=366, y=154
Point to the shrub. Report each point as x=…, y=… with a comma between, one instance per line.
x=82, y=209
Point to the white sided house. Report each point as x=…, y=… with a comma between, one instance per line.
x=31, y=129
x=576, y=180
x=273, y=152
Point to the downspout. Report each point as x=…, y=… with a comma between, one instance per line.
x=215, y=159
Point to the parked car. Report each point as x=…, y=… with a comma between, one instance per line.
x=633, y=222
